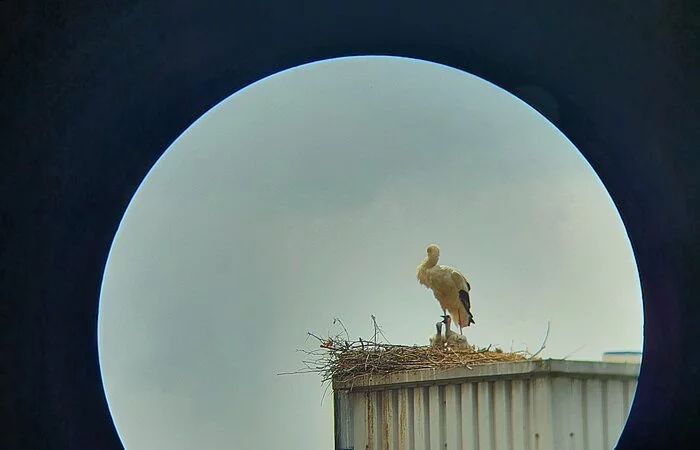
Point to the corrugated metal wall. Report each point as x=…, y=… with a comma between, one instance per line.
x=532, y=413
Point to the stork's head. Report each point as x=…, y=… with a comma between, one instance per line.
x=433, y=251
x=438, y=328
x=446, y=319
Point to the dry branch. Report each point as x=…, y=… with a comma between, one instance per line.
x=544, y=342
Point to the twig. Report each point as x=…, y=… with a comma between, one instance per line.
x=320, y=339
x=580, y=348
x=377, y=328
x=347, y=335
x=544, y=342
x=374, y=323
x=325, y=391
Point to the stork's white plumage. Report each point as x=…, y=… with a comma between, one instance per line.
x=449, y=286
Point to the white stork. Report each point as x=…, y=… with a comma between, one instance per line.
x=449, y=286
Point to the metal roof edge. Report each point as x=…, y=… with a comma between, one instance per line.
x=519, y=369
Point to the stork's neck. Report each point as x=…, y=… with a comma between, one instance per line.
x=430, y=261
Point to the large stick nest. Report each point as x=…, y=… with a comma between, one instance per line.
x=341, y=359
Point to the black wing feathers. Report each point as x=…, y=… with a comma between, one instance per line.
x=464, y=298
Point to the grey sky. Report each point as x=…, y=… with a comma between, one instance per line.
x=311, y=195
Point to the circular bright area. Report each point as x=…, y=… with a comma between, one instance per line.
x=311, y=195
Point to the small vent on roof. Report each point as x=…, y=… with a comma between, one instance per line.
x=623, y=357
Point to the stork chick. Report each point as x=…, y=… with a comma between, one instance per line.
x=453, y=339
x=437, y=340
x=449, y=286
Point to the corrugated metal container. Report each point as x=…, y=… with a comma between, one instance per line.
x=527, y=405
